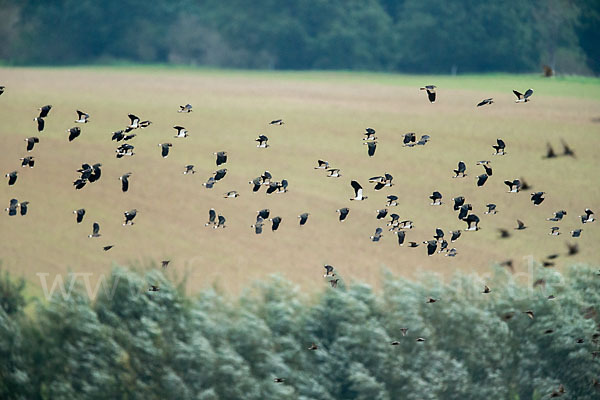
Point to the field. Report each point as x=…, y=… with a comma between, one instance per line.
x=325, y=115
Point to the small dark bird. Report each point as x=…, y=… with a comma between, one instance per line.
x=212, y=217
x=279, y=380
x=343, y=213
x=401, y=236
x=82, y=118
x=313, y=347
x=572, y=249
x=276, y=221
x=31, y=141
x=430, y=92
x=27, y=162
x=12, y=207
x=554, y=231
x=40, y=123
x=334, y=173
x=220, y=222
x=420, y=339
x=96, y=172
x=458, y=202
x=165, y=263
x=74, y=133
x=334, y=283
x=258, y=225
x=491, y=208
x=185, y=109
x=44, y=111
x=588, y=217
x=460, y=170
x=576, y=233
x=164, y=152
x=181, y=132
x=567, y=151
x=189, y=169
x=500, y=146
x=232, y=194
x=378, y=234
x=134, y=122
x=153, y=288
x=12, y=177
x=537, y=198
x=107, y=248
x=558, y=215
x=485, y=102
x=439, y=234
x=520, y=225
x=481, y=179
x=392, y=200
x=413, y=244
x=23, y=207
x=95, y=230
x=436, y=198
x=328, y=271
x=220, y=174
x=2, y=89
x=464, y=210
x=395, y=343
x=486, y=289
x=262, y=141
x=409, y=139
x=125, y=181
x=369, y=134
x=523, y=98
x=549, y=151
x=358, y=191
x=488, y=169
x=209, y=183
x=514, y=186
x=80, y=214
x=529, y=313
x=277, y=122
x=455, y=235
x=472, y=221
x=129, y=216
x=431, y=247
x=382, y=213
x=303, y=218
x=221, y=157
x=371, y=148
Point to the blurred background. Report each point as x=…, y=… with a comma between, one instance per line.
x=433, y=36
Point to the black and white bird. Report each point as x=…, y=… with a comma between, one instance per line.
x=107, y=248
x=258, y=225
x=485, y=102
x=44, y=111
x=262, y=141
x=31, y=141
x=74, y=133
x=129, y=216
x=409, y=139
x=378, y=235
x=558, y=215
x=491, y=208
x=576, y=233
x=451, y=253
x=382, y=213
x=472, y=221
x=372, y=146
x=2, y=89
x=334, y=173
x=430, y=92
x=221, y=157
x=500, y=147
x=328, y=271
x=303, y=218
x=277, y=122
x=212, y=217
x=189, y=169
x=185, y=109
x=464, y=210
x=343, y=213
x=439, y=234
x=256, y=183
x=523, y=98
x=513, y=186
x=458, y=201
x=554, y=231
x=12, y=177
x=394, y=220
x=369, y=134
x=275, y=223
x=436, y=198
x=134, y=122
x=232, y=194
x=264, y=214
x=455, y=235
x=27, y=162
x=125, y=149
x=537, y=198
x=431, y=247
x=588, y=217
x=220, y=174
x=520, y=225
x=486, y=166
x=181, y=132
x=125, y=181
x=164, y=149
x=80, y=213
x=401, y=237
x=209, y=183
x=481, y=179
x=40, y=123
x=95, y=230
x=423, y=140
x=82, y=117
x=96, y=173
x=460, y=170
x=358, y=191
x=322, y=164
x=392, y=200
x=12, y=207
x=220, y=222
x=23, y=207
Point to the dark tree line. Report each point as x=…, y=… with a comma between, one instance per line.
x=134, y=344
x=425, y=36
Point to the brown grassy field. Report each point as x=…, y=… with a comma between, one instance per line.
x=325, y=115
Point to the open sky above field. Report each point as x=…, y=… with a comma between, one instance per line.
x=325, y=114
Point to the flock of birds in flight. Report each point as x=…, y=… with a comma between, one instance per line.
x=439, y=242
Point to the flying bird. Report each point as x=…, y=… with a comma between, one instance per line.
x=44, y=111
x=436, y=198
x=95, y=230
x=164, y=152
x=275, y=223
x=491, y=208
x=129, y=216
x=358, y=191
x=430, y=92
x=369, y=134
x=520, y=225
x=232, y=194
x=12, y=177
x=40, y=123
x=460, y=170
x=125, y=181
x=554, y=231
x=322, y=164
x=209, y=183
x=74, y=133
x=80, y=214
x=401, y=237
x=212, y=217
x=371, y=148
x=165, y=263
x=12, y=207
x=31, y=141
x=189, y=169
x=27, y=162
x=343, y=213
x=185, y=109
x=181, y=132
x=481, y=179
x=537, y=198
x=513, y=186
x=378, y=234
x=277, y=122
x=82, y=117
x=262, y=141
x=221, y=157
x=334, y=173
x=499, y=147
x=303, y=218
x=588, y=217
x=523, y=98
x=567, y=151
x=472, y=221
x=392, y=200
x=485, y=102
x=558, y=215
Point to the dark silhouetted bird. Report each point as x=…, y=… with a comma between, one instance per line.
x=262, y=141
x=485, y=102
x=378, y=235
x=371, y=148
x=164, y=149
x=520, y=225
x=31, y=141
x=343, y=213
x=401, y=237
x=12, y=207
x=431, y=247
x=189, y=169
x=27, y=162
x=185, y=109
x=12, y=177
x=472, y=221
x=500, y=147
x=95, y=230
x=44, y=111
x=82, y=117
x=181, y=132
x=567, y=151
x=588, y=217
x=460, y=170
x=558, y=215
x=303, y=218
x=40, y=123
x=481, y=179
x=491, y=208
x=125, y=181
x=537, y=198
x=275, y=223
x=129, y=216
x=80, y=214
x=455, y=235
x=436, y=198
x=74, y=133
x=430, y=92
x=458, y=202
x=549, y=151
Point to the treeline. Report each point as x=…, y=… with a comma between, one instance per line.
x=424, y=36
x=131, y=343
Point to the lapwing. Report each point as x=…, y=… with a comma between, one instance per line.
x=588, y=217
x=485, y=102
x=537, y=198
x=558, y=215
x=221, y=157
x=44, y=111
x=491, y=208
x=27, y=161
x=358, y=191
x=164, y=149
x=12, y=177
x=472, y=221
x=277, y=122
x=322, y=164
x=430, y=92
x=303, y=218
x=12, y=207
x=189, y=169
x=372, y=146
x=95, y=230
x=401, y=237
x=334, y=173
x=460, y=170
x=125, y=181
x=523, y=98
x=436, y=198
x=454, y=235
x=40, y=123
x=482, y=179
x=513, y=186
x=392, y=200
x=185, y=109
x=31, y=141
x=499, y=147
x=82, y=117
x=378, y=235
x=369, y=134
x=275, y=223
x=343, y=213
x=129, y=216
x=262, y=141
x=212, y=217
x=232, y=194
x=181, y=132
x=431, y=247
x=80, y=213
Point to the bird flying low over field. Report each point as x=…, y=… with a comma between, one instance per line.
x=523, y=98
x=82, y=117
x=358, y=191
x=430, y=92
x=485, y=102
